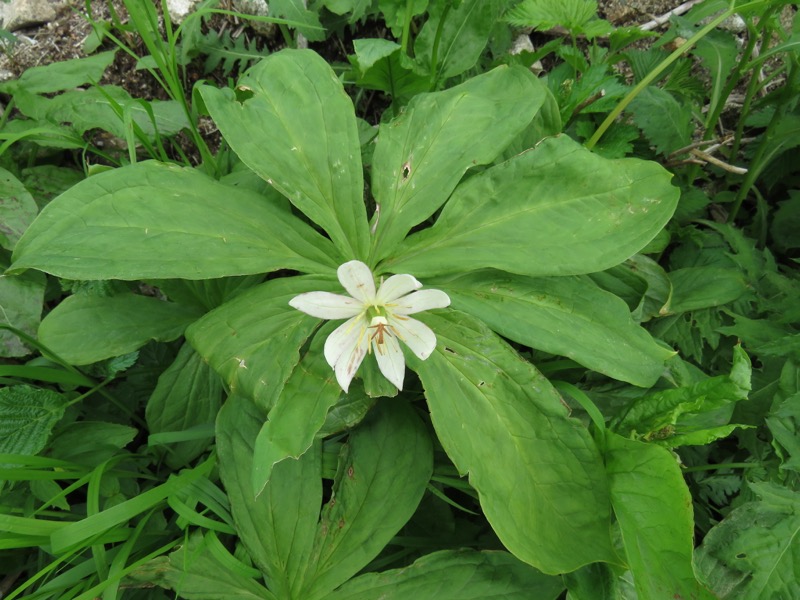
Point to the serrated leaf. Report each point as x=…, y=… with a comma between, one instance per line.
x=27, y=416
x=154, y=220
x=663, y=120
x=294, y=99
x=653, y=508
x=455, y=575
x=85, y=329
x=557, y=209
x=541, y=485
x=569, y=316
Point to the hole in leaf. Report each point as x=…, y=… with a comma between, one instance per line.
x=243, y=94
x=406, y=170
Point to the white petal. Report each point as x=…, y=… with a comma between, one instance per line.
x=325, y=305
x=348, y=362
x=390, y=359
x=396, y=286
x=357, y=279
x=416, y=335
x=344, y=338
x=419, y=301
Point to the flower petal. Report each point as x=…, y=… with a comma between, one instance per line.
x=325, y=305
x=345, y=349
x=357, y=279
x=415, y=334
x=419, y=301
x=396, y=286
x=343, y=338
x=390, y=358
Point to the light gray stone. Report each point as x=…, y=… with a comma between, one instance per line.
x=18, y=14
x=179, y=9
x=257, y=8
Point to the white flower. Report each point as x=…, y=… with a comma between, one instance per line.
x=376, y=321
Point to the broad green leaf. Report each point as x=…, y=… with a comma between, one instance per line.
x=299, y=412
x=452, y=40
x=153, y=220
x=106, y=108
x=569, y=316
x=719, y=52
x=653, y=507
x=538, y=473
x=593, y=582
x=702, y=287
x=642, y=283
x=752, y=554
x=705, y=405
x=84, y=329
x=278, y=527
x=557, y=209
x=188, y=394
x=45, y=182
x=382, y=473
x=203, y=570
x=17, y=209
x=63, y=75
x=356, y=8
x=254, y=341
x=21, y=298
x=27, y=416
x=291, y=122
x=90, y=442
x=455, y=575
x=420, y=156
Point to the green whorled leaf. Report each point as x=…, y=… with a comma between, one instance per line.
x=17, y=209
x=455, y=575
x=547, y=122
x=278, y=527
x=382, y=474
x=203, y=569
x=569, y=316
x=188, y=394
x=348, y=412
x=420, y=156
x=705, y=405
x=557, y=209
x=452, y=40
x=538, y=473
x=642, y=283
x=653, y=507
x=62, y=75
x=27, y=416
x=299, y=412
x=84, y=329
x=154, y=220
x=45, y=182
x=291, y=122
x=254, y=340
x=21, y=298
x=702, y=287
x=752, y=553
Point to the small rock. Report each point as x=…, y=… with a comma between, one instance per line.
x=523, y=43
x=178, y=9
x=257, y=8
x=25, y=13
